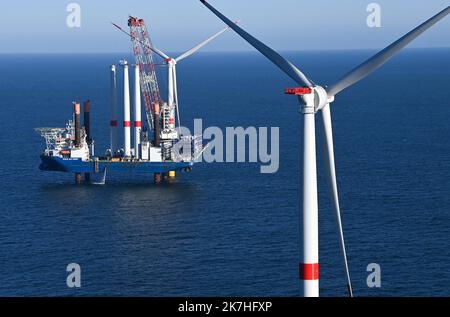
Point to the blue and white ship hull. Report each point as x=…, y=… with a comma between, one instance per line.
x=77, y=165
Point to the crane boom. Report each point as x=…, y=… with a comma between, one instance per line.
x=144, y=58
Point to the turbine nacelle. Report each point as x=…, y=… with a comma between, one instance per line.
x=314, y=98
x=320, y=97
x=170, y=61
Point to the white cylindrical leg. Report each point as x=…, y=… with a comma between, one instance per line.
x=175, y=90
x=126, y=111
x=137, y=111
x=113, y=111
x=309, y=268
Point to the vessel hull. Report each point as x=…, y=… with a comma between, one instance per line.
x=72, y=165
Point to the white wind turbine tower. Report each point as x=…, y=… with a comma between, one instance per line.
x=172, y=90
x=314, y=98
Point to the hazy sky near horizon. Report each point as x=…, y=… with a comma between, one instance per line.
x=176, y=25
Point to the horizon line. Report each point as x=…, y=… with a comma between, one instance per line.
x=223, y=51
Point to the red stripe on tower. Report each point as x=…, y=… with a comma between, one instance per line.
x=126, y=124
x=137, y=124
x=309, y=271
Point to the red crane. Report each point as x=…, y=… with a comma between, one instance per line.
x=148, y=80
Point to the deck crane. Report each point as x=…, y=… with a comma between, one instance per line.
x=149, y=82
x=143, y=51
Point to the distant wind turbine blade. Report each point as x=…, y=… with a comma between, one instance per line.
x=159, y=52
x=273, y=56
x=328, y=151
x=199, y=46
x=383, y=56
x=153, y=49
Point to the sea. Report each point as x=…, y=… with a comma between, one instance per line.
x=226, y=229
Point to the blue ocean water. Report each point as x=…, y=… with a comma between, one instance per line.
x=224, y=228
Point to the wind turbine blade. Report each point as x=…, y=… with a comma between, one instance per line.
x=328, y=151
x=199, y=46
x=153, y=49
x=273, y=56
x=159, y=52
x=383, y=56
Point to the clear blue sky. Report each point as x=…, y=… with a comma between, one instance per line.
x=40, y=26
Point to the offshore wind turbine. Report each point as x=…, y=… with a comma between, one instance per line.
x=314, y=98
x=172, y=90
